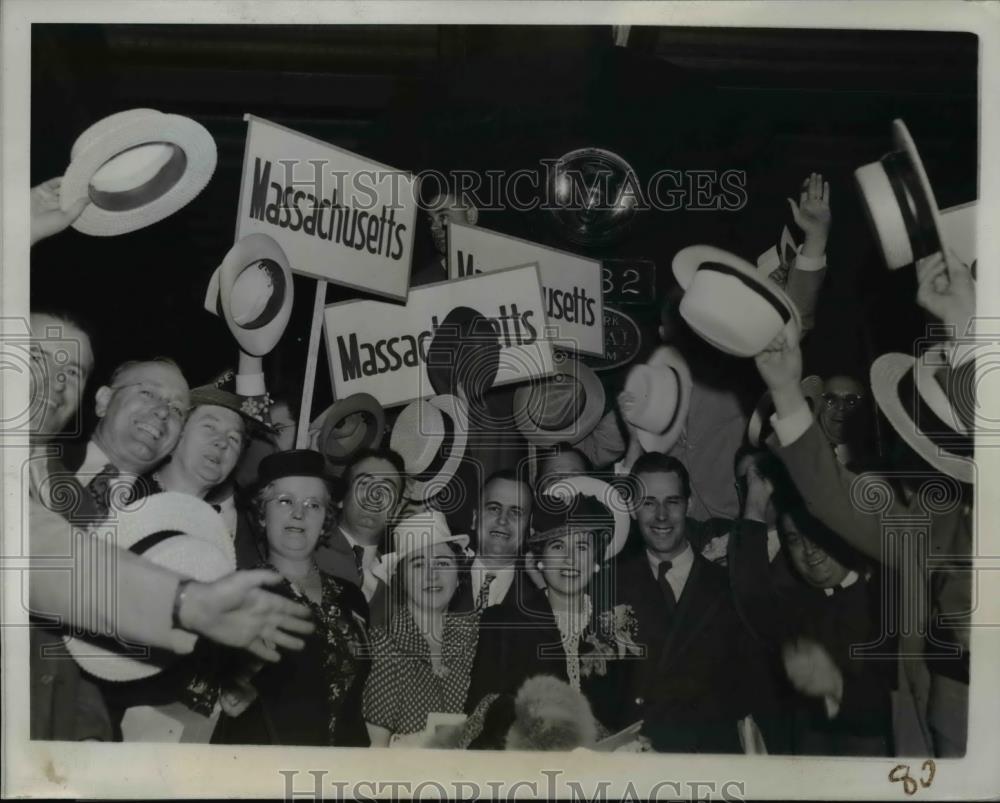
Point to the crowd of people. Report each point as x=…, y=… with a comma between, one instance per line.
x=715, y=593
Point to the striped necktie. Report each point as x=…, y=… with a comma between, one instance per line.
x=359, y=559
x=484, y=591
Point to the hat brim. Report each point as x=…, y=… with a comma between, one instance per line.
x=812, y=389
x=608, y=495
x=388, y=562
x=685, y=265
x=346, y=448
x=181, y=180
x=454, y=408
x=901, y=135
x=886, y=373
x=217, y=397
x=261, y=339
x=202, y=550
x=668, y=357
x=577, y=430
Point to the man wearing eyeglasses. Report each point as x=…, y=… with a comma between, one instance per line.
x=142, y=411
x=841, y=411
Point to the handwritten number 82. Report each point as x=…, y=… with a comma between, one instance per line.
x=901, y=774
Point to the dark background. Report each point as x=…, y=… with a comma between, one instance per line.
x=775, y=103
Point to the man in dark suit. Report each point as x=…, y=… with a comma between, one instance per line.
x=811, y=604
x=374, y=480
x=702, y=669
x=500, y=522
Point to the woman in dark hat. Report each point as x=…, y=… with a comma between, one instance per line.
x=312, y=697
x=557, y=630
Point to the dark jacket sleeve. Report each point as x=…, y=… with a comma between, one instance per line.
x=758, y=601
x=826, y=488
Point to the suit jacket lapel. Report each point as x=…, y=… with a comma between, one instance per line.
x=697, y=603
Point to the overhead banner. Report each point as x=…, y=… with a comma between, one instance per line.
x=338, y=217
x=381, y=348
x=571, y=284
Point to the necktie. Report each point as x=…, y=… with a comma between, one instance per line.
x=100, y=489
x=359, y=559
x=669, y=600
x=484, y=591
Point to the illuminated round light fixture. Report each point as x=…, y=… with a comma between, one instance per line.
x=592, y=195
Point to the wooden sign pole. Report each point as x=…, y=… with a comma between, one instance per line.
x=305, y=409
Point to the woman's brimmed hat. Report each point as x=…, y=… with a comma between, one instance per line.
x=582, y=501
x=416, y=533
x=292, y=463
x=221, y=392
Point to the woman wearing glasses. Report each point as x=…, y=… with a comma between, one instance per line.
x=312, y=697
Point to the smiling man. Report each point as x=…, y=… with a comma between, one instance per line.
x=142, y=411
x=501, y=525
x=701, y=673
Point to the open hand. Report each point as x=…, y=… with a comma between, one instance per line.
x=812, y=212
x=237, y=612
x=811, y=669
x=47, y=215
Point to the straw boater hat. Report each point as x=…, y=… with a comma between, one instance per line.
x=179, y=532
x=349, y=426
x=581, y=499
x=938, y=427
x=563, y=407
x=137, y=167
x=900, y=202
x=662, y=392
x=253, y=290
x=431, y=436
x=759, y=428
x=730, y=303
x=415, y=533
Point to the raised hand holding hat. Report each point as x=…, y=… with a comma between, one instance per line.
x=946, y=289
x=47, y=214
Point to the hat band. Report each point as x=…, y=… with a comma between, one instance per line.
x=147, y=192
x=758, y=287
x=927, y=422
x=277, y=297
x=151, y=540
x=442, y=454
x=913, y=205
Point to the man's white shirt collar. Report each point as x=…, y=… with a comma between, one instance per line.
x=93, y=464
x=679, y=571
x=849, y=579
